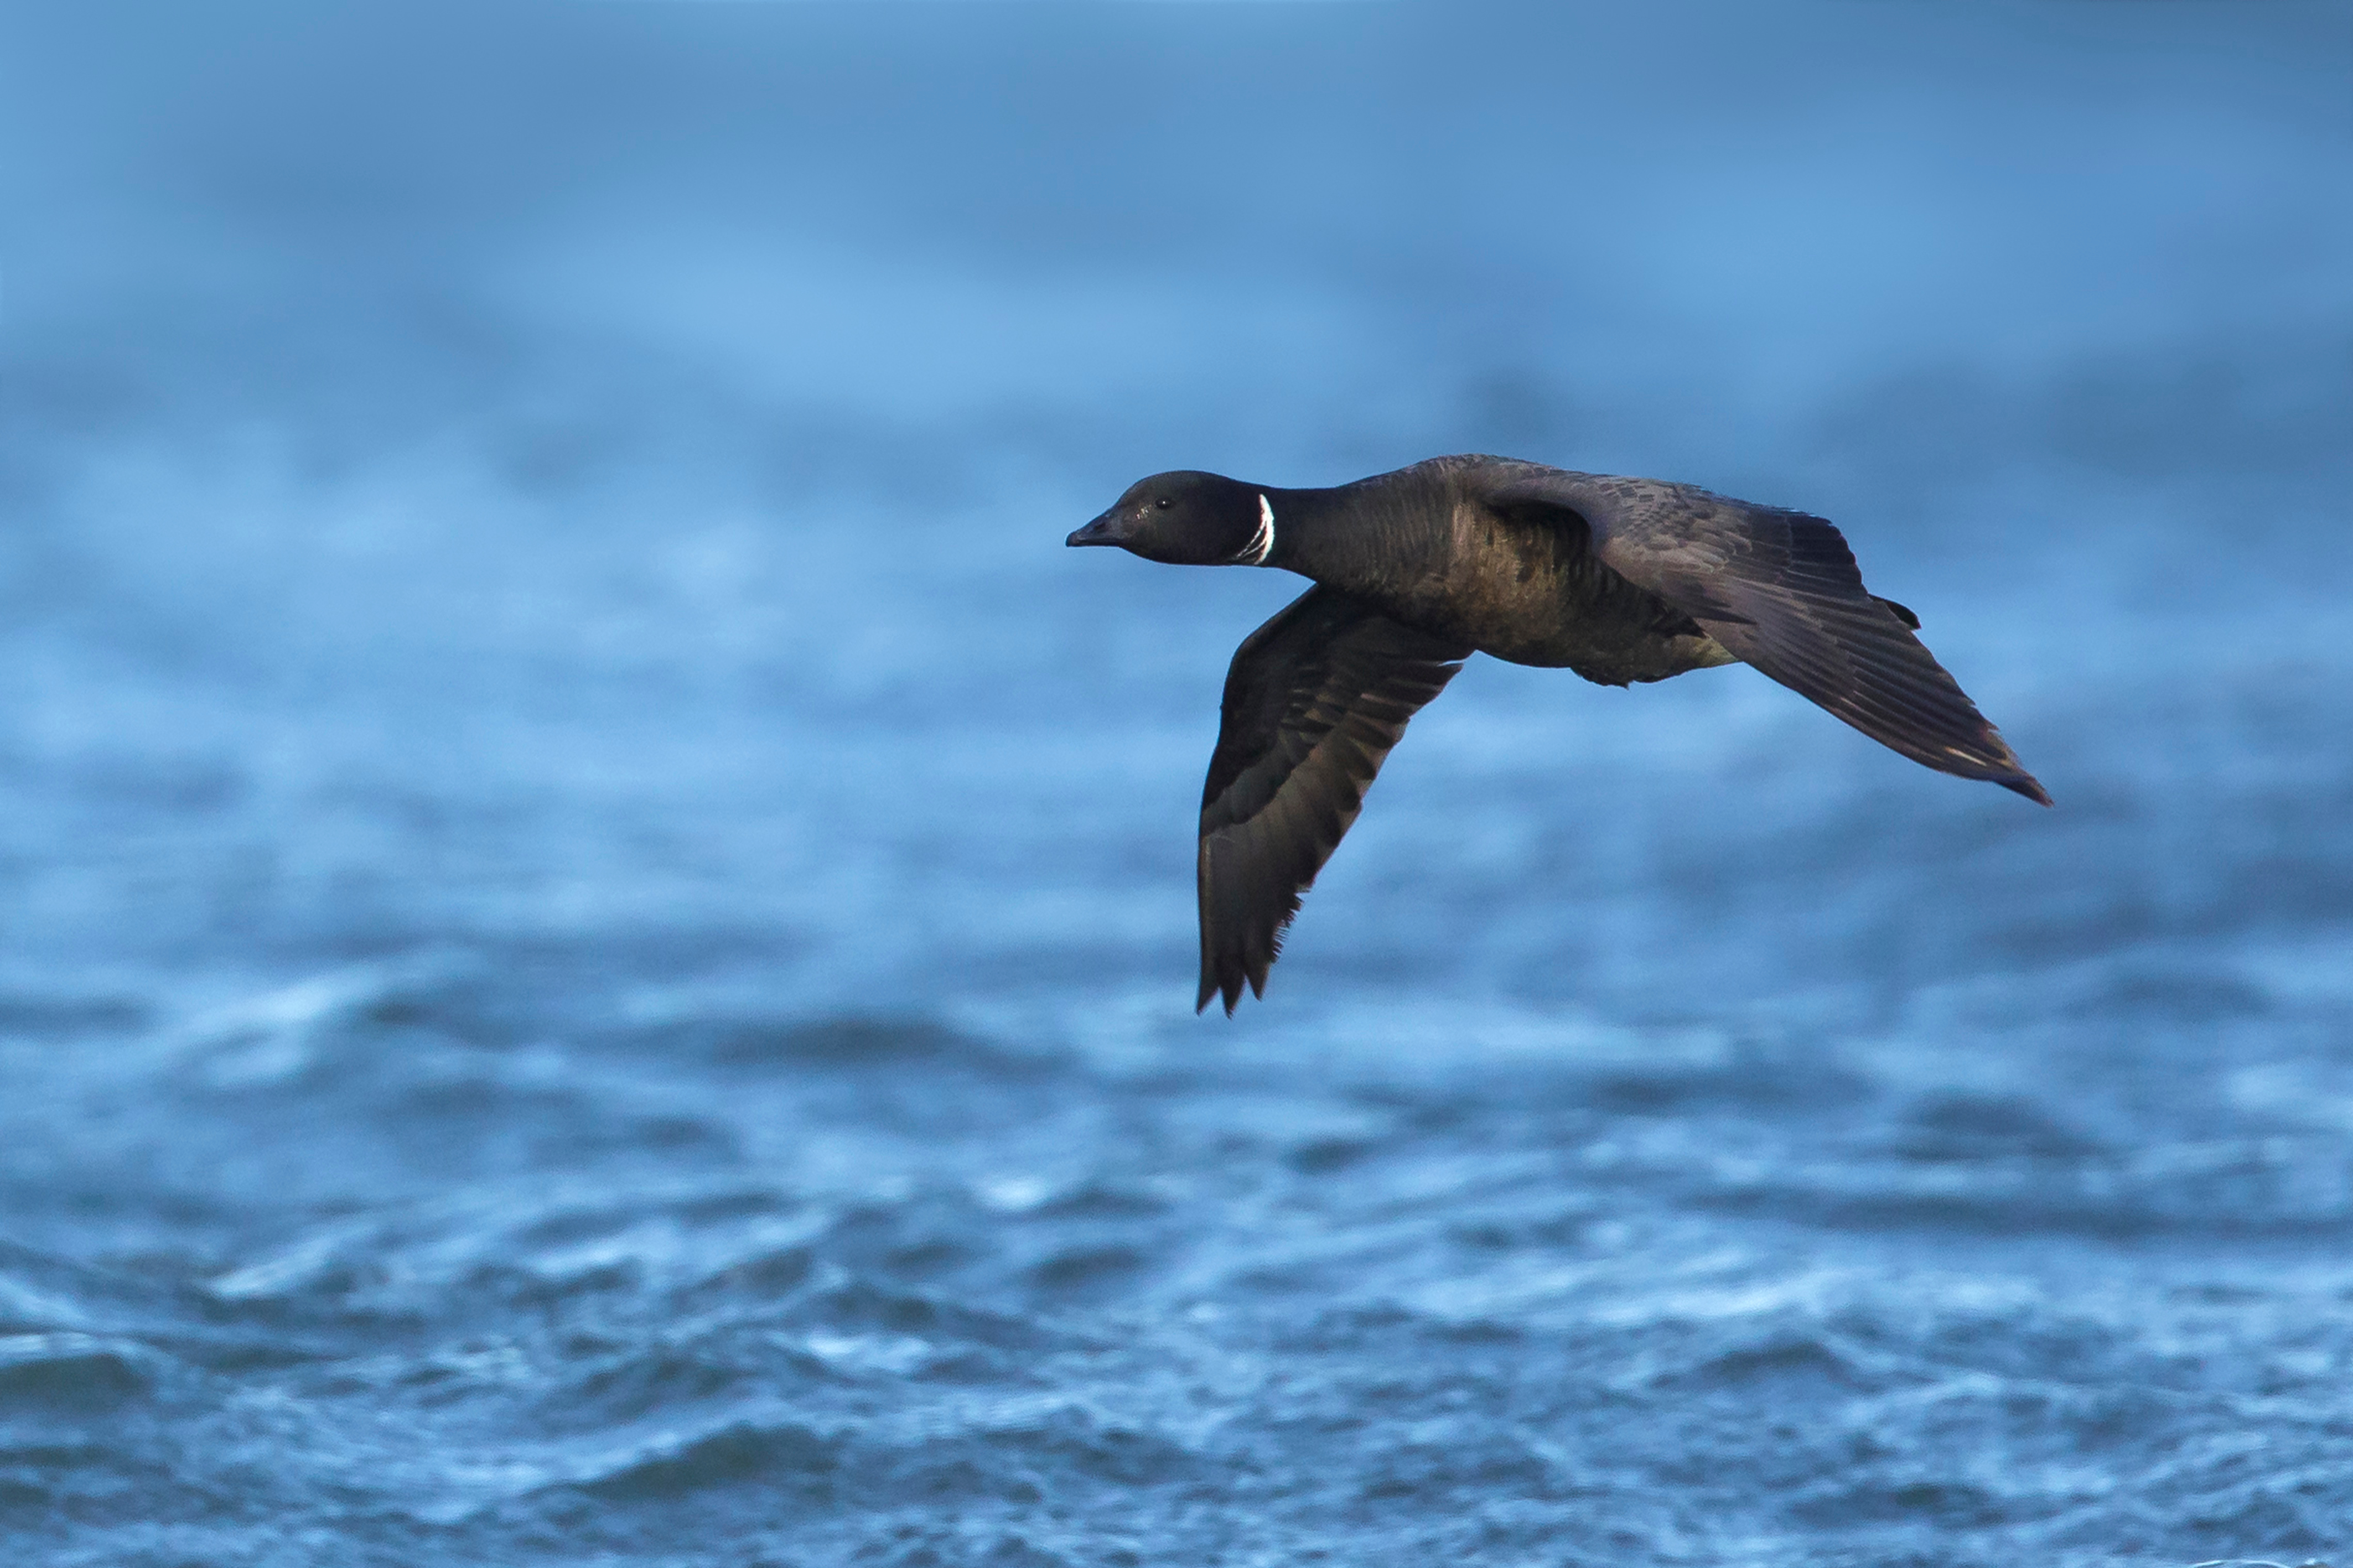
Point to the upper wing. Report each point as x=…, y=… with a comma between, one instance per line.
x=1314, y=699
x=1780, y=590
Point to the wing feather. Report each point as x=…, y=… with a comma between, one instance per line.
x=1314, y=701
x=1781, y=591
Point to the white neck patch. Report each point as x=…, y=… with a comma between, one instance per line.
x=1262, y=543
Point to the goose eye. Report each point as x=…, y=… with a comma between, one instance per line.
x=1162, y=503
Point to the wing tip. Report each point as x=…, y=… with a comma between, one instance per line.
x=1212, y=985
x=2027, y=785
x=2003, y=769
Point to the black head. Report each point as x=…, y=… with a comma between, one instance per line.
x=1187, y=520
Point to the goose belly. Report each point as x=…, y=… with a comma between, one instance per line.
x=1527, y=596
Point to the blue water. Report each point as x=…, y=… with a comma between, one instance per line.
x=595, y=918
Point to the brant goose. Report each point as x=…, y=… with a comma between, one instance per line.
x=1620, y=580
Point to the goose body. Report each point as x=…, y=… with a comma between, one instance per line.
x=1621, y=580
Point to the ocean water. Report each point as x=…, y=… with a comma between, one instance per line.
x=596, y=918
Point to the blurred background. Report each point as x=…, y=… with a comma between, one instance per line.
x=595, y=918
